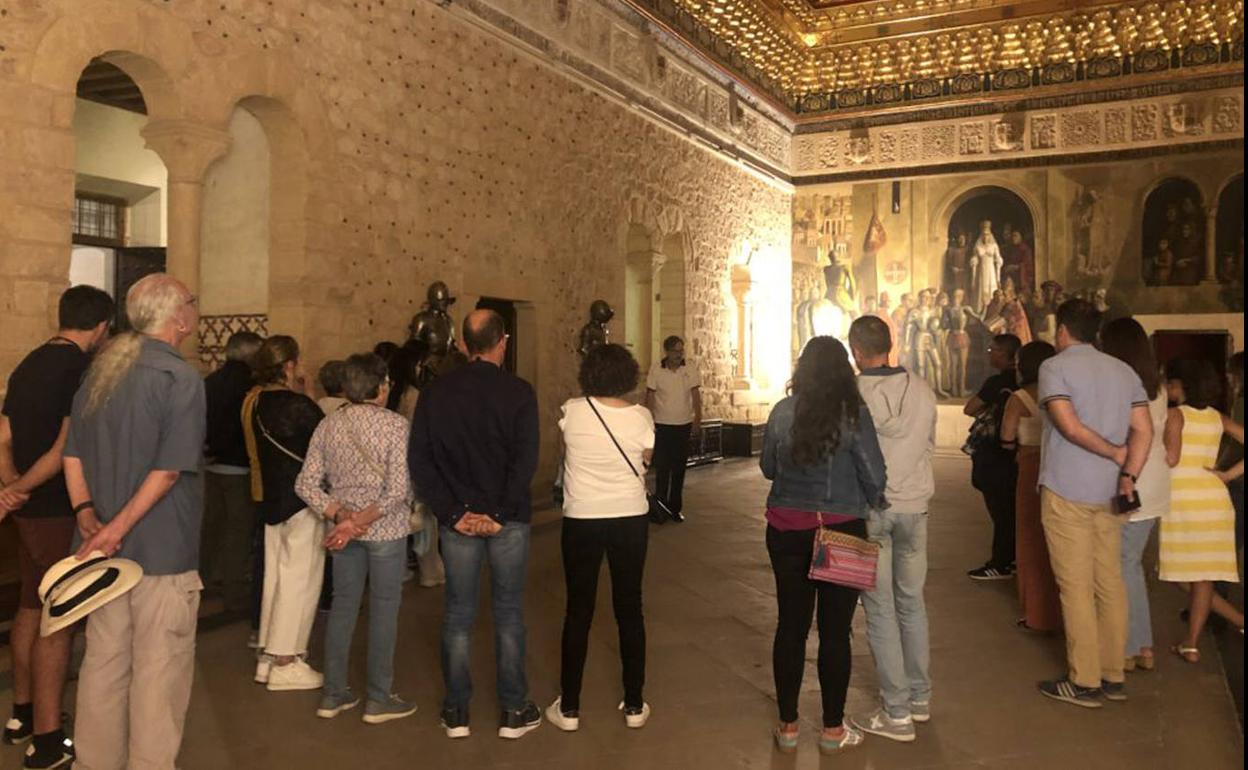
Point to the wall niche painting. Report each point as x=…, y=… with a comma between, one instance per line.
x=1230, y=232
x=1174, y=234
x=988, y=287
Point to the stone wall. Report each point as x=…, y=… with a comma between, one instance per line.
x=407, y=145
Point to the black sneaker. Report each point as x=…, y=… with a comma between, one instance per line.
x=1068, y=692
x=517, y=724
x=455, y=723
x=1115, y=691
x=60, y=754
x=989, y=572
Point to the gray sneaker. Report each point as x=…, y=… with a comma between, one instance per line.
x=376, y=713
x=921, y=711
x=880, y=723
x=333, y=705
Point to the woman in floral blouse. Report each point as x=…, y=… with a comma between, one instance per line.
x=359, y=454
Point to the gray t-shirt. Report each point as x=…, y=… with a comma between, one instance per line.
x=1103, y=391
x=154, y=420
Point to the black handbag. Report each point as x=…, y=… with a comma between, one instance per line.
x=659, y=513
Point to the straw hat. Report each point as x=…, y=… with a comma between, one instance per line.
x=71, y=589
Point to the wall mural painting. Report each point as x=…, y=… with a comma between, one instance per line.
x=989, y=287
x=822, y=228
x=1174, y=234
x=1230, y=244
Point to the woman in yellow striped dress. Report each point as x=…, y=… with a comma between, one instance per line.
x=1198, y=533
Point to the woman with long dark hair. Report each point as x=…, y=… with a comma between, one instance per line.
x=823, y=458
x=1197, y=541
x=1021, y=428
x=1127, y=341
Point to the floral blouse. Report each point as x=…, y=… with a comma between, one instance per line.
x=359, y=453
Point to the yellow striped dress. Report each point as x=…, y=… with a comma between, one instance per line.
x=1198, y=532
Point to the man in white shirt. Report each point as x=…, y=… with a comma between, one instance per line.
x=673, y=395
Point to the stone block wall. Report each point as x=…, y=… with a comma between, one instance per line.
x=408, y=145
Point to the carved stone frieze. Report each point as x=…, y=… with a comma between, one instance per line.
x=938, y=141
x=1081, y=129
x=1144, y=122
x=1007, y=135
x=1116, y=126
x=888, y=147
x=1044, y=132
x=627, y=54
x=1227, y=115
x=972, y=139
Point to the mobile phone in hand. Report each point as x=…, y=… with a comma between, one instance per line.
x=1124, y=504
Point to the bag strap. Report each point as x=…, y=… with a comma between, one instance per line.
x=623, y=454
x=364, y=454
x=274, y=441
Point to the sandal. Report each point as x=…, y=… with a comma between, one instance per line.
x=1145, y=662
x=1188, y=654
x=1128, y=665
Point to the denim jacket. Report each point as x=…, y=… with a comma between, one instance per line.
x=850, y=481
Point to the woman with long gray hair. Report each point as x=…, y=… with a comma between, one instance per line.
x=359, y=453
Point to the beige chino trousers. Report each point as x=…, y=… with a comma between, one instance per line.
x=135, y=683
x=1085, y=549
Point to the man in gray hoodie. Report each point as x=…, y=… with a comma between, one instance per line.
x=903, y=407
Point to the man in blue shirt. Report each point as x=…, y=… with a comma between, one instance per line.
x=1097, y=433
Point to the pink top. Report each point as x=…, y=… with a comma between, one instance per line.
x=793, y=520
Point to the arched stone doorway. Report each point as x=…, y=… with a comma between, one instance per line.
x=1230, y=233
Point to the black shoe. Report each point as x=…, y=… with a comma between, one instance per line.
x=1115, y=691
x=678, y=517
x=1068, y=692
x=516, y=724
x=989, y=572
x=455, y=723
x=18, y=730
x=60, y=754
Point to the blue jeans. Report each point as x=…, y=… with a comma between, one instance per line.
x=896, y=613
x=1135, y=536
x=508, y=555
x=381, y=564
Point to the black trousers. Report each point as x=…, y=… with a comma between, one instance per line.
x=798, y=598
x=584, y=543
x=997, y=479
x=671, y=456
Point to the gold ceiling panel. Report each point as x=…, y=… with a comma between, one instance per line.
x=820, y=55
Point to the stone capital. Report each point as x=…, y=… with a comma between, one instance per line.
x=186, y=148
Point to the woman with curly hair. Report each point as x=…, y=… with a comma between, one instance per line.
x=608, y=440
x=824, y=461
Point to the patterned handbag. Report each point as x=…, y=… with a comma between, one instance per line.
x=843, y=559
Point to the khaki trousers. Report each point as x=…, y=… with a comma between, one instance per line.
x=135, y=682
x=294, y=566
x=1085, y=548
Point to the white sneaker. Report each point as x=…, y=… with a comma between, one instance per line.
x=264, y=666
x=880, y=723
x=569, y=723
x=636, y=718
x=294, y=676
x=253, y=641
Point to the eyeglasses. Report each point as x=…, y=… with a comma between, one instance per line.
x=192, y=300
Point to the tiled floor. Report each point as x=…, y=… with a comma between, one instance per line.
x=710, y=617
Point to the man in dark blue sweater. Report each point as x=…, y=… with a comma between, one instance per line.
x=472, y=456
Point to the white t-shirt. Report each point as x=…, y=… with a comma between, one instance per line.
x=673, y=393
x=597, y=483
x=1154, y=484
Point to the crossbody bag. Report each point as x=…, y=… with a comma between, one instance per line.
x=657, y=510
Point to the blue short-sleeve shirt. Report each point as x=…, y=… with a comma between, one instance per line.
x=1103, y=391
x=154, y=420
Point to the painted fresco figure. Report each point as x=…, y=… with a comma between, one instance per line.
x=1018, y=263
x=985, y=264
x=956, y=269
x=595, y=332
x=958, y=342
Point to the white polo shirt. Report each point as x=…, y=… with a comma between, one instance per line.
x=673, y=392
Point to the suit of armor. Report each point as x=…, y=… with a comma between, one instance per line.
x=595, y=332
x=434, y=329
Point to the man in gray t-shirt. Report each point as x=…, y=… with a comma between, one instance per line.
x=1097, y=432
x=132, y=466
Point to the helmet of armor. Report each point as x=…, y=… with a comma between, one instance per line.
x=439, y=295
x=601, y=312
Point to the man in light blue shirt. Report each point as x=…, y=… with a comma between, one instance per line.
x=1097, y=433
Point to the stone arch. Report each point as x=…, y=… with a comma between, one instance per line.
x=1173, y=238
x=147, y=44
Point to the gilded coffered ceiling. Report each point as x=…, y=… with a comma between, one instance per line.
x=821, y=56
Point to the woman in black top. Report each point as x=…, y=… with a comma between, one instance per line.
x=282, y=419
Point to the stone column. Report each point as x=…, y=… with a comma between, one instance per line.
x=187, y=149
x=743, y=293
x=657, y=260
x=1211, y=246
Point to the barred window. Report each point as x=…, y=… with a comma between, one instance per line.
x=99, y=221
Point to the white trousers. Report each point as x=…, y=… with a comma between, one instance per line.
x=294, y=564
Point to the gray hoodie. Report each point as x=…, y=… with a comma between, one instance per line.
x=903, y=408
